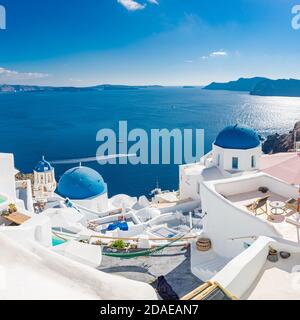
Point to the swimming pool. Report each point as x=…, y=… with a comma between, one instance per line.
x=57, y=241
x=2, y=199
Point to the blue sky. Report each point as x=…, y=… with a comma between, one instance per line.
x=168, y=42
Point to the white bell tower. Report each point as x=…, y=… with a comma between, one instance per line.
x=44, y=180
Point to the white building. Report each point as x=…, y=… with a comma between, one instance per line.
x=29, y=261
x=228, y=181
x=7, y=173
x=85, y=187
x=44, y=180
x=235, y=151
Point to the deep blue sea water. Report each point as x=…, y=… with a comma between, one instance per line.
x=64, y=125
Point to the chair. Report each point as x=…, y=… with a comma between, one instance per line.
x=291, y=204
x=259, y=204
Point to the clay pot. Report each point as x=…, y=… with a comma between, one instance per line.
x=203, y=244
x=284, y=254
x=273, y=255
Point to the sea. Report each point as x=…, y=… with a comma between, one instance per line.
x=64, y=125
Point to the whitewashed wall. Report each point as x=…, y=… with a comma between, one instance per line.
x=7, y=174
x=238, y=275
x=38, y=229
x=98, y=204
x=244, y=157
x=225, y=221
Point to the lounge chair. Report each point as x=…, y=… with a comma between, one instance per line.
x=259, y=206
x=291, y=204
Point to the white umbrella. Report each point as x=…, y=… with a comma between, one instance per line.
x=64, y=217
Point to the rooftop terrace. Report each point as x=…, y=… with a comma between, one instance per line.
x=234, y=196
x=279, y=281
x=287, y=230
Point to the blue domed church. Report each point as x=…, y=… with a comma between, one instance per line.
x=84, y=186
x=44, y=183
x=237, y=149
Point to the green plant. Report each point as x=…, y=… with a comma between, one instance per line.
x=12, y=208
x=119, y=244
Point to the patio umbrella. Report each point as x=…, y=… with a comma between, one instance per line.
x=284, y=166
x=63, y=218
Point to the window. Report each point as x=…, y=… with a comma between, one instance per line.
x=235, y=163
x=218, y=160
x=253, y=162
x=198, y=188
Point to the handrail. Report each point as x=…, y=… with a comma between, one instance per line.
x=136, y=239
x=58, y=236
x=133, y=239
x=244, y=237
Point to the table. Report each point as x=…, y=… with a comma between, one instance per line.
x=17, y=218
x=277, y=207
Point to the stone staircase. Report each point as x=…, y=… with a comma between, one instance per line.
x=205, y=265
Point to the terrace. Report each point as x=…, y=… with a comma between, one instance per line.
x=244, y=192
x=251, y=276
x=232, y=226
x=277, y=281
x=279, y=221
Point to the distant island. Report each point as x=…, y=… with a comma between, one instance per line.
x=281, y=87
x=28, y=88
x=242, y=84
x=260, y=86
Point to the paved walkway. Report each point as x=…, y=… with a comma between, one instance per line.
x=173, y=263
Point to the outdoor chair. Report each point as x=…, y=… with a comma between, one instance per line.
x=259, y=206
x=291, y=204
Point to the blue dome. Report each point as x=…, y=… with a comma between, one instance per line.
x=81, y=183
x=237, y=137
x=43, y=166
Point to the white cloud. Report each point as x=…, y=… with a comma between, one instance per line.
x=220, y=53
x=188, y=61
x=6, y=74
x=215, y=54
x=131, y=5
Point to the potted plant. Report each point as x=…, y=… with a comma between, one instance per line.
x=12, y=208
x=273, y=255
x=119, y=244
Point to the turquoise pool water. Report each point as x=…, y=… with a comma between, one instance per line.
x=56, y=241
x=2, y=199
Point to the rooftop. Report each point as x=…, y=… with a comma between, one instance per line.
x=278, y=221
x=237, y=137
x=43, y=166
x=245, y=190
x=284, y=166
x=276, y=281
x=81, y=183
